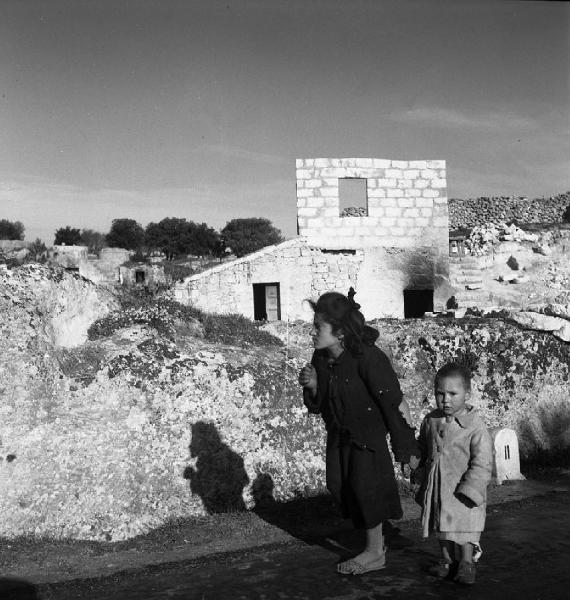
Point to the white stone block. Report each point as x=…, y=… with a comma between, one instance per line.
x=302, y=193
x=405, y=223
x=381, y=163
x=425, y=212
x=315, y=202
x=422, y=221
x=299, y=163
x=428, y=174
x=307, y=212
x=304, y=174
x=331, y=182
x=405, y=183
x=393, y=212
x=329, y=212
x=301, y=202
x=377, y=193
x=313, y=183
x=371, y=183
x=413, y=193
x=399, y=164
x=411, y=174
x=394, y=174
x=322, y=162
x=375, y=211
x=309, y=162
x=441, y=222
x=364, y=163
x=412, y=212
x=427, y=193
x=418, y=164
x=386, y=183
x=330, y=202
x=388, y=221
x=438, y=183
x=436, y=164
x=421, y=183
x=333, y=172
x=389, y=202
x=394, y=193
x=405, y=202
x=328, y=191
x=440, y=200
x=424, y=202
x=397, y=231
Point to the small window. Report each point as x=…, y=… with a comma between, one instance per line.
x=507, y=452
x=353, y=198
x=417, y=303
x=139, y=276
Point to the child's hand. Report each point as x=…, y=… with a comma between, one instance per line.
x=308, y=377
x=414, y=462
x=465, y=500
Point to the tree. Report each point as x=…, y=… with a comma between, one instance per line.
x=175, y=236
x=11, y=230
x=248, y=235
x=67, y=236
x=126, y=233
x=94, y=240
x=37, y=250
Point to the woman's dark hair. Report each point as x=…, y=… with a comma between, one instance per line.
x=343, y=314
x=454, y=369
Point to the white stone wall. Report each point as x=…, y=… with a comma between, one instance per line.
x=407, y=202
x=302, y=271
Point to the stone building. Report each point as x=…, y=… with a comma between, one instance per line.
x=380, y=226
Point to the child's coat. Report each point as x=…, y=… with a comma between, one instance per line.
x=457, y=458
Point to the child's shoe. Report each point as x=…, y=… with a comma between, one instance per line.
x=466, y=573
x=441, y=569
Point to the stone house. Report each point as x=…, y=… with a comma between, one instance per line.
x=380, y=226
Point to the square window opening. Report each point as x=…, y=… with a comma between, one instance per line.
x=353, y=197
x=417, y=303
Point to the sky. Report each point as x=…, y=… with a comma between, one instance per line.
x=148, y=109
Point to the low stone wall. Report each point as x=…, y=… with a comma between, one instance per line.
x=478, y=211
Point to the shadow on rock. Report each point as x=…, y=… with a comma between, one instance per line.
x=219, y=477
x=315, y=520
x=17, y=589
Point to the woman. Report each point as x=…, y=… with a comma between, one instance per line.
x=351, y=383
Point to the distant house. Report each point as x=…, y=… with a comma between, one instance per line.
x=380, y=226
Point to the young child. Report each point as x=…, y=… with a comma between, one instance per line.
x=456, y=453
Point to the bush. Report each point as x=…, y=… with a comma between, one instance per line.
x=141, y=309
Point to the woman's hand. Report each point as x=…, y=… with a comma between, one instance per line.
x=405, y=412
x=308, y=378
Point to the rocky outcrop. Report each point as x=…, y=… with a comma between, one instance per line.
x=467, y=213
x=133, y=429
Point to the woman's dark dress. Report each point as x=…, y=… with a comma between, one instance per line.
x=358, y=399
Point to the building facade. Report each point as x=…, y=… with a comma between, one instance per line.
x=379, y=226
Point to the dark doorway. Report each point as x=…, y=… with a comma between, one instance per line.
x=417, y=302
x=139, y=276
x=266, y=302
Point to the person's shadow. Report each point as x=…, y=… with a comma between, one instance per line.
x=219, y=477
x=315, y=520
x=17, y=589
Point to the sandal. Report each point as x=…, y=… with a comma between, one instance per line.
x=353, y=567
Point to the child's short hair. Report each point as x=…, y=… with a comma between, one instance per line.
x=454, y=369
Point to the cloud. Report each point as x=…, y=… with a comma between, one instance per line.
x=443, y=117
